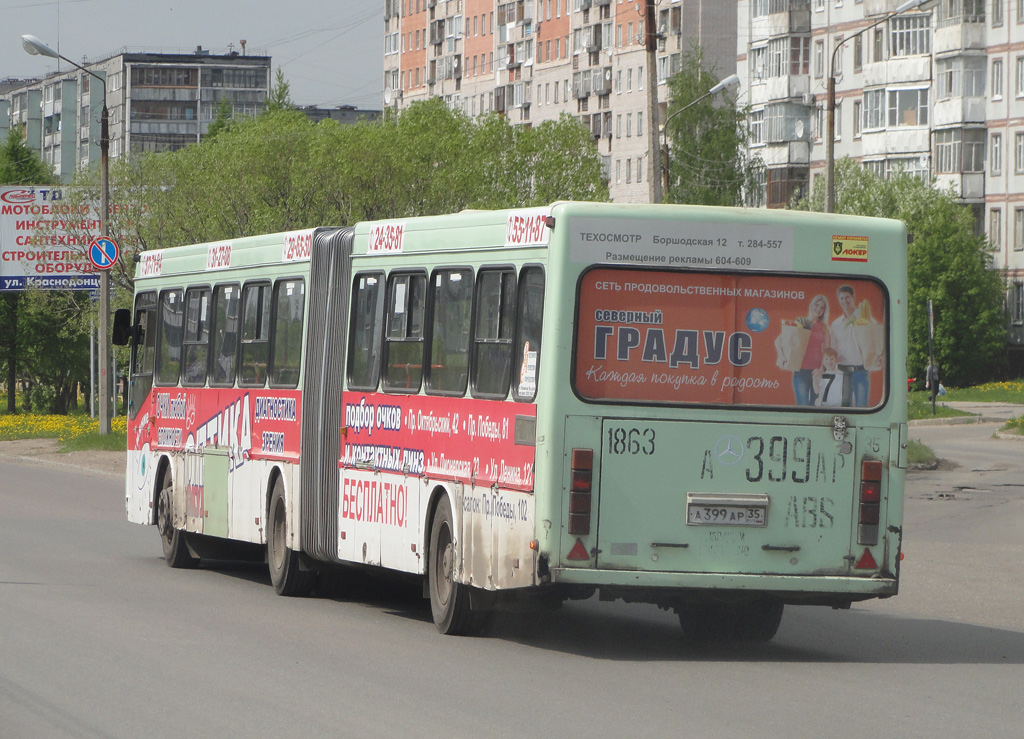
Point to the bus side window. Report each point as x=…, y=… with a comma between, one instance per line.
x=528, y=333
x=197, y=336
x=403, y=345
x=143, y=351
x=171, y=323
x=225, y=335
x=252, y=369
x=286, y=342
x=492, y=334
x=451, y=303
x=364, y=335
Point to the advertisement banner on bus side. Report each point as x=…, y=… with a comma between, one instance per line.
x=728, y=338
x=465, y=439
x=44, y=241
x=250, y=424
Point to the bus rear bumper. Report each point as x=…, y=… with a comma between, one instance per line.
x=664, y=587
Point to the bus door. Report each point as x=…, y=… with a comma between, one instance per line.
x=141, y=411
x=726, y=497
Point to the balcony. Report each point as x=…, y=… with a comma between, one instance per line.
x=967, y=186
x=957, y=110
x=959, y=37
x=900, y=69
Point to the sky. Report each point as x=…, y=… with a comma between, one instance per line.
x=329, y=50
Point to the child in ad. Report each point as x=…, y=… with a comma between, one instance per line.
x=829, y=381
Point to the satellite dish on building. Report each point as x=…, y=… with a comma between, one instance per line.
x=387, y=96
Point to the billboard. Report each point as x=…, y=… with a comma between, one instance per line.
x=44, y=241
x=650, y=336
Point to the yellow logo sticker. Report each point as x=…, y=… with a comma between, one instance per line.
x=849, y=248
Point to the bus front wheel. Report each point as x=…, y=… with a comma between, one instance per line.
x=449, y=599
x=286, y=572
x=175, y=545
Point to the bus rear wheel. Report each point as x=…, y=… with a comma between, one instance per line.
x=286, y=572
x=174, y=541
x=449, y=599
x=757, y=620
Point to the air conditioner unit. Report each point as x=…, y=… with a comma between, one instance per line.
x=808, y=99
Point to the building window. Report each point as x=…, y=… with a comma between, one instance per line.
x=858, y=117
x=908, y=108
x=959, y=150
x=1018, y=303
x=1020, y=76
x=858, y=53
x=878, y=46
x=997, y=79
x=997, y=14
x=757, y=127
x=640, y=124
x=799, y=54
x=1018, y=229
x=819, y=59
x=629, y=171
x=910, y=35
x=955, y=12
x=786, y=184
x=960, y=77
x=1018, y=154
x=996, y=153
x=757, y=62
x=995, y=228
x=874, y=110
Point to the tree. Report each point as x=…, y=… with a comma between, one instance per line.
x=19, y=165
x=947, y=262
x=280, y=97
x=707, y=163
x=222, y=118
x=279, y=171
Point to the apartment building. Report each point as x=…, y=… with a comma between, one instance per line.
x=155, y=102
x=534, y=60
x=937, y=91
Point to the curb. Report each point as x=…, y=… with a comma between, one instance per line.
x=27, y=459
x=955, y=421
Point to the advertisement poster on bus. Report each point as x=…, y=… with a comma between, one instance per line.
x=44, y=241
x=482, y=442
x=728, y=338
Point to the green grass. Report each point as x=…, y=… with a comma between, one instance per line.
x=918, y=453
x=920, y=406
x=1011, y=391
x=93, y=441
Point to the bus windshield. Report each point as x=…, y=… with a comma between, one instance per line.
x=649, y=336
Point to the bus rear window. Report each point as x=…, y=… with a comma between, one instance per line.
x=647, y=336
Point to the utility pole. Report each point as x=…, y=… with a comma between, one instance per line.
x=653, y=130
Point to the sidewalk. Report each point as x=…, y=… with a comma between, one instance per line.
x=983, y=413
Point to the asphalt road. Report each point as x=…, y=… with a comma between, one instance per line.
x=98, y=638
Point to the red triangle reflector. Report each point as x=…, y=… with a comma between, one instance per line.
x=866, y=561
x=578, y=552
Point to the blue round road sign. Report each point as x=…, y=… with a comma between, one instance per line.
x=103, y=252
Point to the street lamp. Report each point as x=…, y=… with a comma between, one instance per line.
x=731, y=81
x=36, y=47
x=830, y=100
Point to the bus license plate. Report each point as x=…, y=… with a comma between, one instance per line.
x=706, y=510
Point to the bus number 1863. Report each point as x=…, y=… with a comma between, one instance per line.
x=631, y=441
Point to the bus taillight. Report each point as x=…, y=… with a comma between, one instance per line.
x=870, y=501
x=579, y=491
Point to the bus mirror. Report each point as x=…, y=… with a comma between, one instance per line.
x=122, y=329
